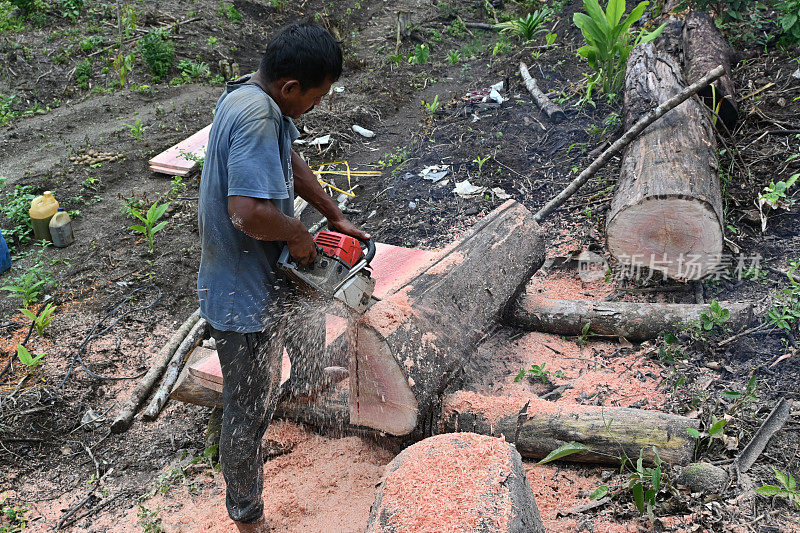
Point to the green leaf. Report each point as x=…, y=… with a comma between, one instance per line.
x=718, y=426
x=564, y=450
x=591, y=32
x=600, y=492
x=638, y=497
x=139, y=228
x=770, y=490
x=24, y=355
x=27, y=313
x=655, y=479
x=594, y=10
x=693, y=432
x=614, y=11
x=646, y=37
x=160, y=225
x=670, y=338
x=520, y=376
x=635, y=15
x=783, y=478
x=733, y=395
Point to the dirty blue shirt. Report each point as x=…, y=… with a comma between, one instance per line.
x=248, y=154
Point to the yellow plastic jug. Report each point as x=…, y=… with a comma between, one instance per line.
x=42, y=210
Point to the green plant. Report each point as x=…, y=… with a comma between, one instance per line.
x=432, y=106
x=227, y=10
x=789, y=21
x=786, y=309
x=394, y=160
x=645, y=483
x=501, y=47
x=715, y=316
x=212, y=41
x=669, y=352
x=421, y=54
x=550, y=39
x=30, y=285
x=278, y=4
x=136, y=129
x=199, y=159
x=149, y=520
x=7, y=22
x=453, y=57
x=788, y=488
x=538, y=372
x=743, y=398
x=586, y=330
x=123, y=64
x=773, y=197
x=609, y=41
x=158, y=53
x=480, y=161
x=40, y=322
x=71, y=9
x=150, y=222
x=14, y=206
x=193, y=70
x=396, y=58
x=127, y=20
x=526, y=28
x=13, y=519
x=26, y=359
x=457, y=28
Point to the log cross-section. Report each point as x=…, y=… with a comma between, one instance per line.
x=413, y=345
x=666, y=213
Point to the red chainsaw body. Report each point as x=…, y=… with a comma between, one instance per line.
x=340, y=246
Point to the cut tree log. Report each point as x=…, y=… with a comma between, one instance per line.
x=173, y=160
x=666, y=213
x=633, y=320
x=455, y=482
x=704, y=47
x=123, y=420
x=411, y=346
x=609, y=433
x=174, y=368
x=553, y=112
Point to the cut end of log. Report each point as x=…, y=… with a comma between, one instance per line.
x=680, y=237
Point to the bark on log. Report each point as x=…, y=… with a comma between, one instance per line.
x=667, y=211
x=411, y=346
x=608, y=432
x=704, y=47
x=633, y=320
x=192, y=389
x=425, y=488
x=553, y=112
x=173, y=370
x=123, y=420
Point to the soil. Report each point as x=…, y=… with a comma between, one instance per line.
x=148, y=476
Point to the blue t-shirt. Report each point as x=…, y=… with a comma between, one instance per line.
x=248, y=154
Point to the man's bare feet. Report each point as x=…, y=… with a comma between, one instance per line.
x=261, y=526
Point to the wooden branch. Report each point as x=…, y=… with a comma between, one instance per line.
x=553, y=112
x=173, y=369
x=635, y=321
x=480, y=26
x=773, y=423
x=623, y=141
x=123, y=420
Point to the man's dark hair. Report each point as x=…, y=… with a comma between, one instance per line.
x=303, y=51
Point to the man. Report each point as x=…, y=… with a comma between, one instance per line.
x=246, y=209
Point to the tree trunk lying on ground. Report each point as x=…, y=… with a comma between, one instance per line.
x=142, y=390
x=425, y=488
x=704, y=47
x=666, y=213
x=411, y=346
x=633, y=320
x=609, y=433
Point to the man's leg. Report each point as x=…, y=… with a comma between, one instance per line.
x=305, y=344
x=251, y=371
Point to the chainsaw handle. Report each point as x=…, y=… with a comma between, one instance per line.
x=370, y=244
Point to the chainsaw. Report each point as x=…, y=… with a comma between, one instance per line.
x=340, y=272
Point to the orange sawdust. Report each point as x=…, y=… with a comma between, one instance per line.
x=449, y=483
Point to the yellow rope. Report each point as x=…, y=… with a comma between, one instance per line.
x=348, y=172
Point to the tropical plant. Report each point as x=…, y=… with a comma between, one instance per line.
x=123, y=64
x=192, y=70
x=789, y=20
x=773, y=197
x=136, y=129
x=29, y=286
x=421, y=54
x=609, y=41
x=527, y=27
x=453, y=57
x=432, y=106
x=150, y=222
x=715, y=316
x=158, y=53
x=788, y=488
x=26, y=359
x=41, y=321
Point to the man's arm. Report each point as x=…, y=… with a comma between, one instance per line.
x=308, y=188
x=262, y=220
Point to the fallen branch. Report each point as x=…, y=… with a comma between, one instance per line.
x=174, y=369
x=553, y=112
x=142, y=390
x=774, y=422
x=623, y=141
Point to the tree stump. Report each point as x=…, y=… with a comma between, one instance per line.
x=455, y=482
x=666, y=213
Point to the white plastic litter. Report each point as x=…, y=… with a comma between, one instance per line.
x=364, y=132
x=319, y=141
x=796, y=74
x=501, y=194
x=497, y=86
x=467, y=190
x=494, y=95
x=435, y=173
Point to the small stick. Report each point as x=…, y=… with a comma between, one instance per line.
x=774, y=422
x=174, y=369
x=553, y=112
x=626, y=139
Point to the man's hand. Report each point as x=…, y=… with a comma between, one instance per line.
x=343, y=225
x=302, y=248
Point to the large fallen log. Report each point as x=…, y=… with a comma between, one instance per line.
x=704, y=47
x=633, y=320
x=456, y=482
x=413, y=345
x=609, y=433
x=666, y=213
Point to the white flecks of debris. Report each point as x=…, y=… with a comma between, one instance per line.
x=364, y=132
x=434, y=173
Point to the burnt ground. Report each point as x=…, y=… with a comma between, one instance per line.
x=42, y=439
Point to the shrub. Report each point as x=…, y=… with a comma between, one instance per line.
x=158, y=53
x=526, y=28
x=83, y=72
x=71, y=9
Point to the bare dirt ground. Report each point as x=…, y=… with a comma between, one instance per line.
x=155, y=476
